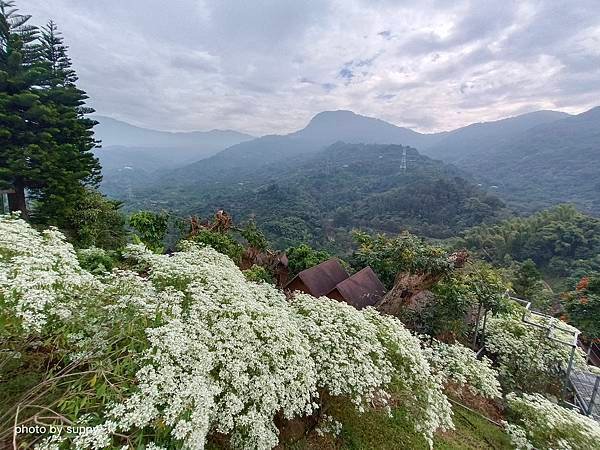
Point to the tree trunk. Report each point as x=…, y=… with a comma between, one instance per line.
x=16, y=200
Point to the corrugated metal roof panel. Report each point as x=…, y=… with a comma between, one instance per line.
x=323, y=277
x=362, y=289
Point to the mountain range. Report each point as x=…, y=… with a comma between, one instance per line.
x=319, y=197
x=130, y=155
x=562, y=151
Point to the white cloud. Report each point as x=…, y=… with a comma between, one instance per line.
x=268, y=65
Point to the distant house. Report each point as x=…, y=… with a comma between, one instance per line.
x=330, y=279
x=320, y=279
x=360, y=290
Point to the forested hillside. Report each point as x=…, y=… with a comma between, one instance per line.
x=562, y=242
x=321, y=197
x=477, y=140
x=561, y=150
x=544, y=165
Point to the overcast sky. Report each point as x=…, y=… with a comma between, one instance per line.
x=267, y=66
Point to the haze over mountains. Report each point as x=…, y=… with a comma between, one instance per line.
x=532, y=160
x=130, y=154
x=115, y=132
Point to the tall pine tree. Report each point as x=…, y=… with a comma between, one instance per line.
x=20, y=105
x=72, y=132
x=45, y=138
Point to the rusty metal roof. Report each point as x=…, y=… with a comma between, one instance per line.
x=362, y=289
x=322, y=278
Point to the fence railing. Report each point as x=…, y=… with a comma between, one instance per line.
x=583, y=384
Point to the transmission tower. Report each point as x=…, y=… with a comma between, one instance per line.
x=403, y=162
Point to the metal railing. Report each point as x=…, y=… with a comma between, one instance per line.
x=583, y=384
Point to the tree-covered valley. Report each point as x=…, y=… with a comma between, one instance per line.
x=350, y=285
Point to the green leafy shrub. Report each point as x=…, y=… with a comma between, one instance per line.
x=583, y=306
x=96, y=260
x=151, y=228
x=258, y=274
x=221, y=242
x=388, y=256
x=95, y=222
x=303, y=257
x=254, y=236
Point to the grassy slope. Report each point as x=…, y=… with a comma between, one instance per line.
x=376, y=431
x=373, y=430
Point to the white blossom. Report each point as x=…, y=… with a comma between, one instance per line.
x=536, y=422
x=459, y=365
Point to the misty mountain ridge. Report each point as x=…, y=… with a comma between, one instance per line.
x=342, y=125
x=324, y=129
x=550, y=163
x=114, y=132
x=131, y=155
x=496, y=153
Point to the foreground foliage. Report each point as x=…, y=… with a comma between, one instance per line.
x=191, y=348
x=527, y=360
x=541, y=424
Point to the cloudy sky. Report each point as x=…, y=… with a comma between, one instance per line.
x=265, y=66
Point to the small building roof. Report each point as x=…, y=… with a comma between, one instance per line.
x=360, y=290
x=322, y=278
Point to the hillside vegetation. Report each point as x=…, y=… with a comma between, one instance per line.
x=318, y=199
x=501, y=155
x=563, y=155
x=131, y=155
x=161, y=331
x=562, y=242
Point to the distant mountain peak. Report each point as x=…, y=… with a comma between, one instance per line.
x=333, y=117
x=328, y=127
x=117, y=132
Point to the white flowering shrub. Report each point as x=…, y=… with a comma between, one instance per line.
x=329, y=425
x=40, y=277
x=413, y=383
x=181, y=347
x=527, y=360
x=459, y=365
x=345, y=347
x=536, y=422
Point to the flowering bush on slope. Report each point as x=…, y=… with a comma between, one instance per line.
x=40, y=277
x=367, y=356
x=538, y=423
x=206, y=350
x=527, y=359
x=458, y=364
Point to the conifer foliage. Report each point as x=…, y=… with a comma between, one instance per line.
x=45, y=138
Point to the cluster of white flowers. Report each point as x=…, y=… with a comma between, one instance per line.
x=40, y=277
x=239, y=353
x=413, y=380
x=229, y=361
x=329, y=425
x=221, y=354
x=345, y=346
x=459, y=365
x=539, y=423
x=526, y=358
